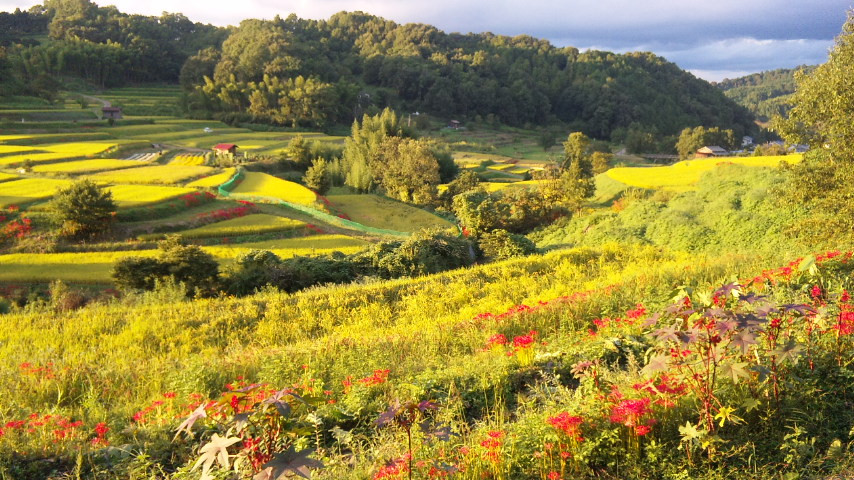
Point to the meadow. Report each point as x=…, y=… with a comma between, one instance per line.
x=519, y=360
x=380, y=212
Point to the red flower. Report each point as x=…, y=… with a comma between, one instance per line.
x=524, y=341
x=377, y=378
x=496, y=340
x=570, y=425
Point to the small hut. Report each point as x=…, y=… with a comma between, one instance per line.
x=455, y=124
x=711, y=151
x=223, y=148
x=111, y=113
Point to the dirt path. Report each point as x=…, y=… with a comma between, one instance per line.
x=104, y=103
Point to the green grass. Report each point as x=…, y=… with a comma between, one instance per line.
x=379, y=212
x=684, y=175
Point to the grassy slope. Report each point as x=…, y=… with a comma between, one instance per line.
x=426, y=331
x=379, y=212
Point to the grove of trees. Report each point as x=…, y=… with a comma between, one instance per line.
x=312, y=73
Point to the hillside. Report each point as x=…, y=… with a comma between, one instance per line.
x=299, y=72
x=765, y=94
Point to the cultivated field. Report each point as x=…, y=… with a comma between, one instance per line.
x=684, y=175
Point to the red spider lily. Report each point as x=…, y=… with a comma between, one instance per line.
x=495, y=341
x=631, y=412
x=568, y=424
x=524, y=341
x=394, y=469
x=377, y=378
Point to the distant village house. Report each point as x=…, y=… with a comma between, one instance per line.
x=711, y=151
x=111, y=113
x=223, y=148
x=455, y=124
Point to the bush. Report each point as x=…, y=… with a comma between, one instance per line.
x=83, y=210
x=501, y=244
x=187, y=264
x=421, y=254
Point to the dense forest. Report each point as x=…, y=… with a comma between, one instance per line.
x=299, y=72
x=766, y=93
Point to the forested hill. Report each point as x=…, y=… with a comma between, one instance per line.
x=766, y=93
x=294, y=71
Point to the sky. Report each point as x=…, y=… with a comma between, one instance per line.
x=714, y=39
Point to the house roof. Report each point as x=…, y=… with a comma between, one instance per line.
x=224, y=146
x=712, y=149
x=111, y=109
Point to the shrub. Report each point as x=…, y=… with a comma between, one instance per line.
x=501, y=244
x=421, y=254
x=187, y=264
x=83, y=210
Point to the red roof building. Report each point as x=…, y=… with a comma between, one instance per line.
x=225, y=148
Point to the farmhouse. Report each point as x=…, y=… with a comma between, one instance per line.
x=223, y=148
x=114, y=113
x=711, y=151
x=455, y=124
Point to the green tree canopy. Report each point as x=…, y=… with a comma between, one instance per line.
x=83, y=210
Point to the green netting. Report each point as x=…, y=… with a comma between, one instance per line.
x=315, y=213
x=225, y=188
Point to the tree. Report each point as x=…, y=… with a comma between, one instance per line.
x=479, y=212
x=822, y=115
x=405, y=166
x=575, y=150
x=83, y=210
x=601, y=162
x=693, y=139
x=317, y=176
x=196, y=269
x=299, y=151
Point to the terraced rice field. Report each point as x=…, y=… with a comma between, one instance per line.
x=379, y=212
x=11, y=149
x=143, y=157
x=10, y=160
x=682, y=176
x=248, y=225
x=79, y=148
x=95, y=267
x=263, y=185
x=85, y=166
x=213, y=180
x=188, y=159
x=28, y=190
x=289, y=247
x=6, y=176
x=154, y=174
x=138, y=195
